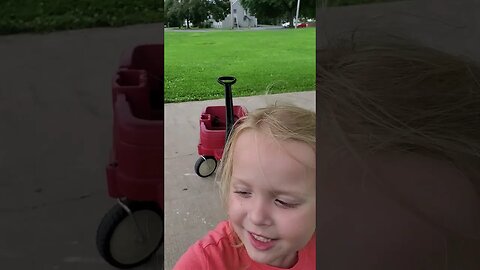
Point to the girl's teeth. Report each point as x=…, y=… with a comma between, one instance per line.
x=261, y=238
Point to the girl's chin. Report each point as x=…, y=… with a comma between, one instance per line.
x=268, y=260
x=259, y=258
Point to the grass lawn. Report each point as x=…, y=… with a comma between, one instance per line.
x=18, y=16
x=273, y=61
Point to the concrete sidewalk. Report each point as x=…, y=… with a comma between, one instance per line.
x=192, y=205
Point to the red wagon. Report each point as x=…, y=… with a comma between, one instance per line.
x=216, y=123
x=132, y=231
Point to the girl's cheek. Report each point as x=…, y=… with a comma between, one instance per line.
x=232, y=204
x=236, y=206
x=235, y=203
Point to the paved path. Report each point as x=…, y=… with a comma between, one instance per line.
x=259, y=28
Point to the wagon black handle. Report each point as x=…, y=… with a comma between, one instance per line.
x=226, y=80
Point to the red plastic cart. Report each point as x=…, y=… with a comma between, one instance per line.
x=216, y=123
x=132, y=231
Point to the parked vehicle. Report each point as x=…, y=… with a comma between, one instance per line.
x=302, y=25
x=299, y=25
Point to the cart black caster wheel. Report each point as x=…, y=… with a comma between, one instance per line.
x=126, y=240
x=205, y=166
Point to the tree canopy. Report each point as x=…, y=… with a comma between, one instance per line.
x=195, y=11
x=280, y=8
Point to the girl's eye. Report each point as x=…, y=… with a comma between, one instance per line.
x=285, y=204
x=242, y=194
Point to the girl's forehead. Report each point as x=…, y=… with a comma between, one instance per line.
x=257, y=157
x=261, y=141
x=296, y=188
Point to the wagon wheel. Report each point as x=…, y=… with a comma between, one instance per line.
x=205, y=166
x=126, y=240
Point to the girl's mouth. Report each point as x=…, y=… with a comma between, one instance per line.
x=261, y=242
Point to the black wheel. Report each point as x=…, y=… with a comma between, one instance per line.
x=205, y=166
x=119, y=240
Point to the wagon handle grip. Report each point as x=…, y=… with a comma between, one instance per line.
x=227, y=81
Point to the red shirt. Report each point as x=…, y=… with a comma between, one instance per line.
x=216, y=251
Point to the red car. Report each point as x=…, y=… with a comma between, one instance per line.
x=302, y=25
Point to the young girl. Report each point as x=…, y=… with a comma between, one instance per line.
x=267, y=183
x=399, y=152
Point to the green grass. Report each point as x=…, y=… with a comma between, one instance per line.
x=17, y=16
x=273, y=61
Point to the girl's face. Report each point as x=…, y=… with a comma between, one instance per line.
x=271, y=201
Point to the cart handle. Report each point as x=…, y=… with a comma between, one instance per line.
x=226, y=80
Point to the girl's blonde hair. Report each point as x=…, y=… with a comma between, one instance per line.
x=401, y=97
x=281, y=122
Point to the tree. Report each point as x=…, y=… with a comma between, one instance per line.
x=179, y=11
x=195, y=11
x=219, y=9
x=173, y=13
x=279, y=8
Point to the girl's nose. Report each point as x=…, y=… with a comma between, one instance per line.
x=260, y=213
